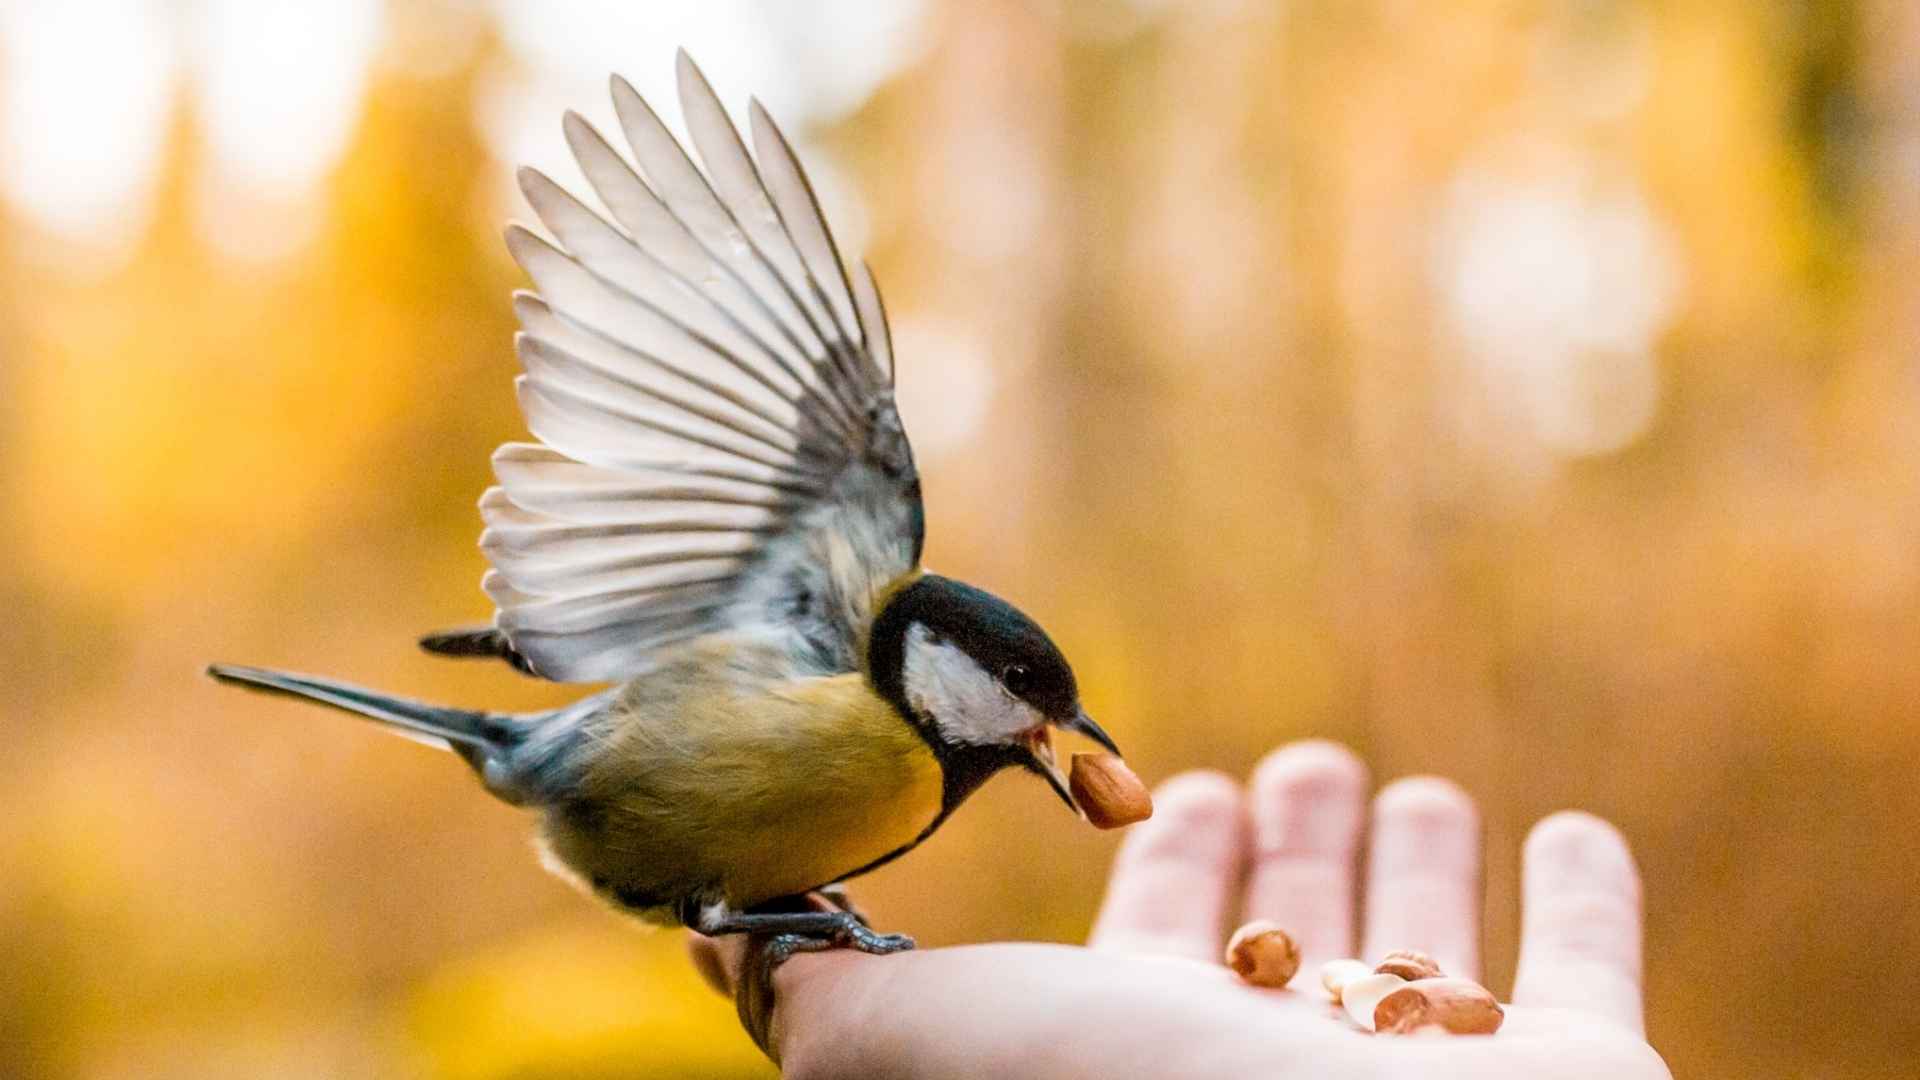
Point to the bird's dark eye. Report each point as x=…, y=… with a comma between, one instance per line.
x=1017, y=679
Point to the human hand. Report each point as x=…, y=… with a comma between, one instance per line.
x=1149, y=996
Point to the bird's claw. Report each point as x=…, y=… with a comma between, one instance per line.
x=867, y=941
x=850, y=931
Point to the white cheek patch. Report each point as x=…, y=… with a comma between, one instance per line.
x=964, y=701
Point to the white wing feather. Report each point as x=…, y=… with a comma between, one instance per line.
x=713, y=400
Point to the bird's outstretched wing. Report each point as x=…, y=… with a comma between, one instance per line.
x=713, y=399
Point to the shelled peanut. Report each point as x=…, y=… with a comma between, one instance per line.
x=1263, y=954
x=1108, y=792
x=1457, y=1006
x=1407, y=992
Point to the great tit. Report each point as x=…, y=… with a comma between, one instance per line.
x=721, y=515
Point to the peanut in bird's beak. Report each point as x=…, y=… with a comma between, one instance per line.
x=1039, y=745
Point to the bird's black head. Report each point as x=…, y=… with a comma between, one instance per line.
x=980, y=679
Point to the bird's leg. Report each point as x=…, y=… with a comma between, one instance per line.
x=794, y=931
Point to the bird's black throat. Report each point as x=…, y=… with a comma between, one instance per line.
x=994, y=633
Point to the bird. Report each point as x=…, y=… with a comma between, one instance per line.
x=720, y=516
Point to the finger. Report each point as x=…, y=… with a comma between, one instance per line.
x=1580, y=926
x=1176, y=872
x=1423, y=874
x=815, y=1007
x=719, y=960
x=1307, y=809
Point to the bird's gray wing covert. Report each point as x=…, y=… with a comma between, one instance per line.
x=713, y=399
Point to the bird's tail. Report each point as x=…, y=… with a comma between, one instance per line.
x=455, y=728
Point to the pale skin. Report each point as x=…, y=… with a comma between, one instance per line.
x=1148, y=995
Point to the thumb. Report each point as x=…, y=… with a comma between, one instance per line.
x=807, y=992
x=715, y=960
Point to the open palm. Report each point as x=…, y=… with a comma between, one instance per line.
x=1148, y=996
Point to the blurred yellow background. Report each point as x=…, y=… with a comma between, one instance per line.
x=1521, y=391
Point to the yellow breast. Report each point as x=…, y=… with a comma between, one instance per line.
x=863, y=785
x=752, y=791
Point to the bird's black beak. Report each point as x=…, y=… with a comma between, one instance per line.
x=1084, y=724
x=1041, y=758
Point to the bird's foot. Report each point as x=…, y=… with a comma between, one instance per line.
x=801, y=931
x=847, y=931
x=864, y=939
